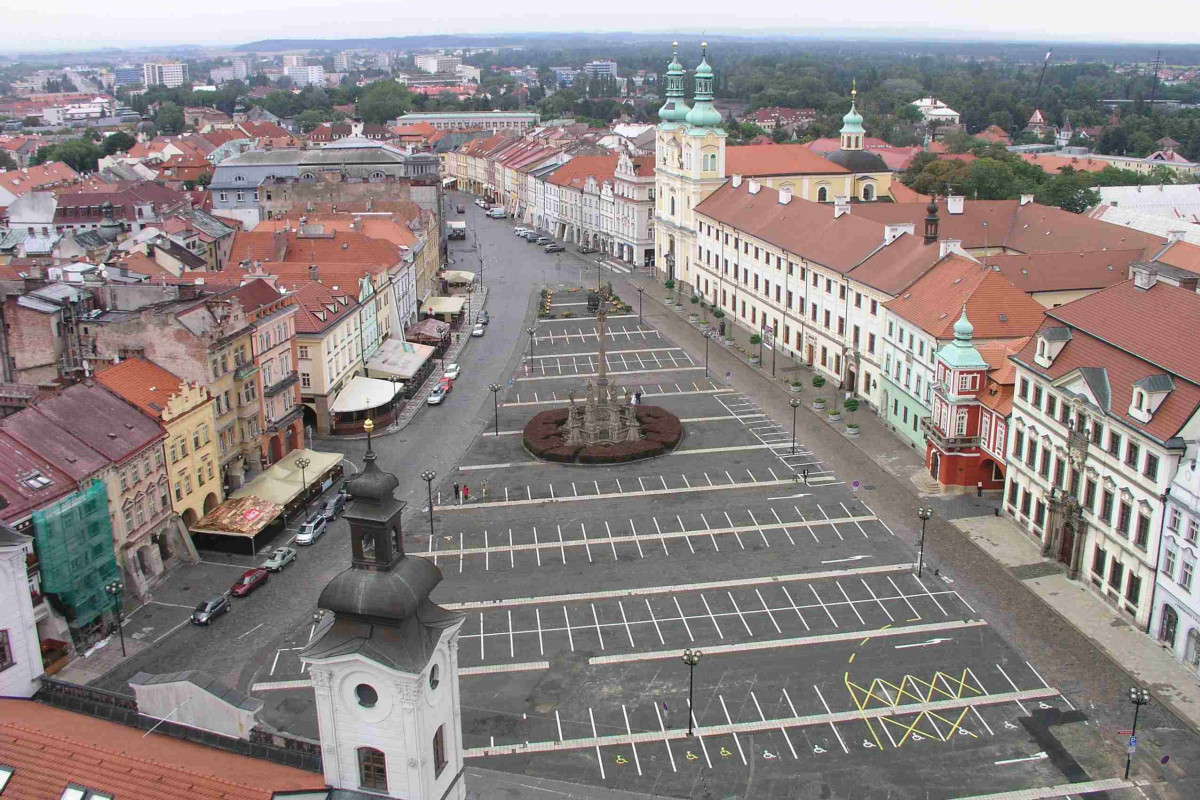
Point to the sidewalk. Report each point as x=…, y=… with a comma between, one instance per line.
x=1127, y=646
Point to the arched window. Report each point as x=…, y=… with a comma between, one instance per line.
x=308, y=177
x=372, y=769
x=1170, y=622
x=672, y=205
x=439, y=750
x=823, y=195
x=1191, y=655
x=377, y=176
x=868, y=192
x=239, y=179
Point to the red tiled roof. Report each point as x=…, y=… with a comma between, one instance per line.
x=358, y=248
x=375, y=226
x=142, y=383
x=50, y=747
x=320, y=306
x=996, y=308
x=828, y=144
x=1183, y=255
x=45, y=436
x=575, y=172
x=268, y=130
x=1056, y=272
x=255, y=294
x=17, y=462
x=52, y=173
x=783, y=159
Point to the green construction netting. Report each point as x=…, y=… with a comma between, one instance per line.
x=75, y=549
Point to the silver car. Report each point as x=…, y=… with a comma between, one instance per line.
x=280, y=558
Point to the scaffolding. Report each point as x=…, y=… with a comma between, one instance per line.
x=74, y=545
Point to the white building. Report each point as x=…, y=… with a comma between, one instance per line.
x=600, y=69
x=20, y=652
x=170, y=74
x=436, y=63
x=384, y=661
x=306, y=76
x=1177, y=613
x=1105, y=402
x=934, y=110
x=342, y=62
x=466, y=72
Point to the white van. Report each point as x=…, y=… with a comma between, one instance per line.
x=496, y=213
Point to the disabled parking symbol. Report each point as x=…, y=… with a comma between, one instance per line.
x=767, y=754
x=622, y=760
x=691, y=756
x=818, y=749
x=725, y=753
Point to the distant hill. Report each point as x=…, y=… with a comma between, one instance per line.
x=432, y=40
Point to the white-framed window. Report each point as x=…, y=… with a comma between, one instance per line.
x=1173, y=520
x=1186, y=571
x=1193, y=530
x=960, y=422
x=1168, y=566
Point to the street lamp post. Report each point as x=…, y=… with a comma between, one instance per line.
x=707, y=336
x=691, y=658
x=428, y=476
x=530, y=331
x=794, y=404
x=640, y=290
x=1139, y=697
x=495, y=387
x=303, y=463
x=115, y=589
x=924, y=514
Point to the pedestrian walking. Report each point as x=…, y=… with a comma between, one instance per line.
x=483, y=488
x=637, y=396
x=457, y=494
x=466, y=493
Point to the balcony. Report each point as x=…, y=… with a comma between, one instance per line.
x=287, y=419
x=245, y=370
x=287, y=380
x=946, y=443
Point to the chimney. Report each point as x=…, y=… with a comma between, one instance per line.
x=931, y=222
x=893, y=232
x=785, y=196
x=841, y=205
x=314, y=274
x=948, y=246
x=755, y=186
x=1174, y=236
x=1144, y=276
x=1026, y=199
x=954, y=204
x=1189, y=282
x=737, y=181
x=357, y=224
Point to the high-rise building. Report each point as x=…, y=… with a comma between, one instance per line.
x=341, y=62
x=436, y=63
x=128, y=74
x=306, y=76
x=243, y=68
x=293, y=61
x=606, y=69
x=170, y=74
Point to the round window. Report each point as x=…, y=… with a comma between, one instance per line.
x=433, y=677
x=367, y=696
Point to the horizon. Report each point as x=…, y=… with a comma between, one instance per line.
x=125, y=24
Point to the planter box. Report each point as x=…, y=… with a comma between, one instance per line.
x=819, y=404
x=852, y=430
x=834, y=416
x=727, y=342
x=795, y=389
x=755, y=360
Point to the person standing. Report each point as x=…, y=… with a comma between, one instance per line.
x=457, y=494
x=466, y=490
x=483, y=488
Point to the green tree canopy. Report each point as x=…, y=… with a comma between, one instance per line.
x=118, y=142
x=80, y=155
x=383, y=101
x=169, y=117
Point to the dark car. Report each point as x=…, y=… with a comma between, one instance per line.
x=461, y=209
x=210, y=608
x=333, y=506
x=554, y=247
x=482, y=318
x=532, y=236
x=251, y=579
x=543, y=240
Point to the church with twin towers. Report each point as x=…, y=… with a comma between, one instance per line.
x=692, y=161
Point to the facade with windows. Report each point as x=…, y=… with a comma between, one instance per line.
x=1177, y=612
x=1103, y=406
x=329, y=347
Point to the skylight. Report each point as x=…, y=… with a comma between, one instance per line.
x=36, y=480
x=5, y=774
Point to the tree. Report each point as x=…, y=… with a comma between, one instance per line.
x=909, y=113
x=118, y=142
x=169, y=117
x=383, y=101
x=78, y=154
x=6, y=162
x=307, y=120
x=31, y=121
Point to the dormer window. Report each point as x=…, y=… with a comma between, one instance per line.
x=1050, y=343
x=1148, y=395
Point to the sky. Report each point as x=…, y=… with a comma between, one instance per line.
x=77, y=24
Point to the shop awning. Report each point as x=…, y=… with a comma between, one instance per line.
x=363, y=394
x=281, y=482
x=443, y=305
x=397, y=359
x=448, y=182
x=241, y=516
x=459, y=276
x=428, y=329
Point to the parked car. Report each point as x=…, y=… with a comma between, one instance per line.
x=532, y=236
x=520, y=231
x=479, y=201
x=312, y=529
x=462, y=209
x=477, y=330
x=280, y=558
x=544, y=240
x=210, y=608
x=443, y=388
x=452, y=371
x=482, y=318
x=333, y=506
x=554, y=247
x=583, y=248
x=251, y=579
x=497, y=212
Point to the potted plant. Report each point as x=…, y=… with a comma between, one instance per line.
x=795, y=386
x=670, y=285
x=695, y=301
x=818, y=402
x=755, y=339
x=851, y=405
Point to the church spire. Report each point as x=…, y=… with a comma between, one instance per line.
x=674, y=108
x=852, y=127
x=703, y=114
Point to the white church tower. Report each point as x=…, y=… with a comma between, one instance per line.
x=384, y=660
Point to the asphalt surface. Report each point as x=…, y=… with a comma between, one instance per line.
x=830, y=669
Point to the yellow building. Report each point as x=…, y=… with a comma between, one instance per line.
x=186, y=413
x=692, y=161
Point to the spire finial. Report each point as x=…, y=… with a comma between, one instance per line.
x=853, y=89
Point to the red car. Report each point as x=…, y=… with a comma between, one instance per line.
x=251, y=579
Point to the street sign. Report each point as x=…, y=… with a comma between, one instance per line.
x=1125, y=733
x=1133, y=741
x=1132, y=749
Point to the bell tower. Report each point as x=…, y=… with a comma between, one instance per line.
x=384, y=659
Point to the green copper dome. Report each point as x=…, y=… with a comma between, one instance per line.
x=675, y=107
x=961, y=353
x=704, y=115
x=852, y=122
x=963, y=329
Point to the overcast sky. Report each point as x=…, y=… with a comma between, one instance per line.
x=88, y=23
